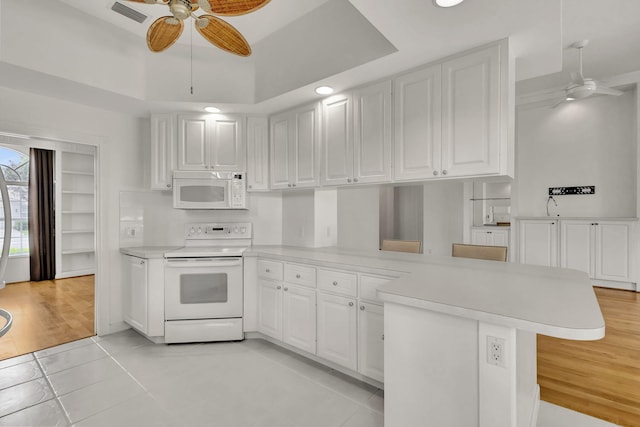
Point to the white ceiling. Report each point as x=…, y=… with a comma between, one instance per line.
x=419, y=32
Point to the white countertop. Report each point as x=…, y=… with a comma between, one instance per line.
x=148, y=252
x=550, y=301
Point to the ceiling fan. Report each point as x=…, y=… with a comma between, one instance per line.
x=164, y=32
x=582, y=87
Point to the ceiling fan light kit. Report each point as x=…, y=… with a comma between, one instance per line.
x=165, y=31
x=447, y=3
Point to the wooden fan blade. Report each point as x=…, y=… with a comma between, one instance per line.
x=147, y=1
x=223, y=35
x=163, y=33
x=233, y=7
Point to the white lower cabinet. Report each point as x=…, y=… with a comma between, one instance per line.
x=489, y=236
x=299, y=317
x=134, y=292
x=337, y=330
x=270, y=308
x=371, y=340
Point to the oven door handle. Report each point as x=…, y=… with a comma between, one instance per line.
x=202, y=262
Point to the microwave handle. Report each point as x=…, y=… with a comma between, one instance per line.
x=202, y=262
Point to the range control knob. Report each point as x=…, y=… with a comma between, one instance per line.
x=236, y=230
x=243, y=230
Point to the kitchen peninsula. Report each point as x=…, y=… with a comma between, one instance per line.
x=459, y=336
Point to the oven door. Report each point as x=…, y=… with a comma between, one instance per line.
x=199, y=193
x=203, y=288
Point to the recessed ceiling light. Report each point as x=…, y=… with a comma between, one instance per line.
x=447, y=3
x=212, y=109
x=324, y=90
x=569, y=98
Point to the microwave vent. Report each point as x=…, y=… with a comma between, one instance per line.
x=129, y=12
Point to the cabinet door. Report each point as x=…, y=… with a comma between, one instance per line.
x=193, y=142
x=257, y=154
x=471, y=114
x=576, y=245
x=538, y=242
x=372, y=133
x=135, y=292
x=227, y=148
x=163, y=150
x=299, y=317
x=279, y=151
x=613, y=249
x=479, y=237
x=337, y=140
x=270, y=308
x=337, y=333
x=500, y=238
x=305, y=163
x=418, y=124
x=371, y=341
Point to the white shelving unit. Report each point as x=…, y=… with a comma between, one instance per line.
x=75, y=221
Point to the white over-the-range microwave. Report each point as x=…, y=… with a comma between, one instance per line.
x=209, y=190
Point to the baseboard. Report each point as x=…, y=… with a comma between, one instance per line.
x=627, y=286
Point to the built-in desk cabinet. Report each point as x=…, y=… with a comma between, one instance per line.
x=210, y=142
x=490, y=236
x=452, y=118
x=295, y=148
x=605, y=249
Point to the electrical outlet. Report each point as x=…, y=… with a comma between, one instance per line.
x=496, y=351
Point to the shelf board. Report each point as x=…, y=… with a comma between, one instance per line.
x=78, y=193
x=77, y=231
x=73, y=273
x=70, y=172
x=77, y=212
x=77, y=251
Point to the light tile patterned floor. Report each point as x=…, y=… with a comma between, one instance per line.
x=125, y=380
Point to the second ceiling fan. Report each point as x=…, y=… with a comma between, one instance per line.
x=165, y=31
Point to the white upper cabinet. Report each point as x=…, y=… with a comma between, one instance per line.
x=471, y=116
x=337, y=140
x=210, y=142
x=453, y=119
x=163, y=150
x=418, y=118
x=295, y=148
x=538, y=242
x=257, y=154
x=372, y=133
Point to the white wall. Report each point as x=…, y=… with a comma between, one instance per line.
x=120, y=156
x=443, y=216
x=358, y=218
x=588, y=142
x=309, y=218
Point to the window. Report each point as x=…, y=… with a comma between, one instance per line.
x=15, y=167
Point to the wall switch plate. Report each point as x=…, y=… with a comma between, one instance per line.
x=496, y=351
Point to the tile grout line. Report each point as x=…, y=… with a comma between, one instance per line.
x=123, y=369
x=55, y=395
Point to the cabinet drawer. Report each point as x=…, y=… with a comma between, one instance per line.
x=338, y=282
x=300, y=275
x=270, y=269
x=369, y=285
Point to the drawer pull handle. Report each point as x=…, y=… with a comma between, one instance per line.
x=335, y=283
x=278, y=287
x=362, y=307
x=351, y=304
x=297, y=276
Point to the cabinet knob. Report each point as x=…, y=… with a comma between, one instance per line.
x=250, y=186
x=348, y=179
x=289, y=185
x=435, y=173
x=168, y=185
x=362, y=307
x=335, y=283
x=355, y=179
x=141, y=262
x=444, y=172
x=293, y=185
x=350, y=303
x=286, y=289
x=297, y=276
x=382, y=337
x=278, y=287
x=489, y=232
x=267, y=270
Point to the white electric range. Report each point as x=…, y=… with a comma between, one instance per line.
x=204, y=285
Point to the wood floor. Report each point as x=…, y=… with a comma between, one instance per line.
x=47, y=313
x=600, y=378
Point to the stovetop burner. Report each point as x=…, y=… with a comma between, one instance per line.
x=207, y=240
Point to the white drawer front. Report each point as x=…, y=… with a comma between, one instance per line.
x=270, y=269
x=300, y=275
x=338, y=282
x=369, y=285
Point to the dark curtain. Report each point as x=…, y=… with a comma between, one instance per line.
x=42, y=245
